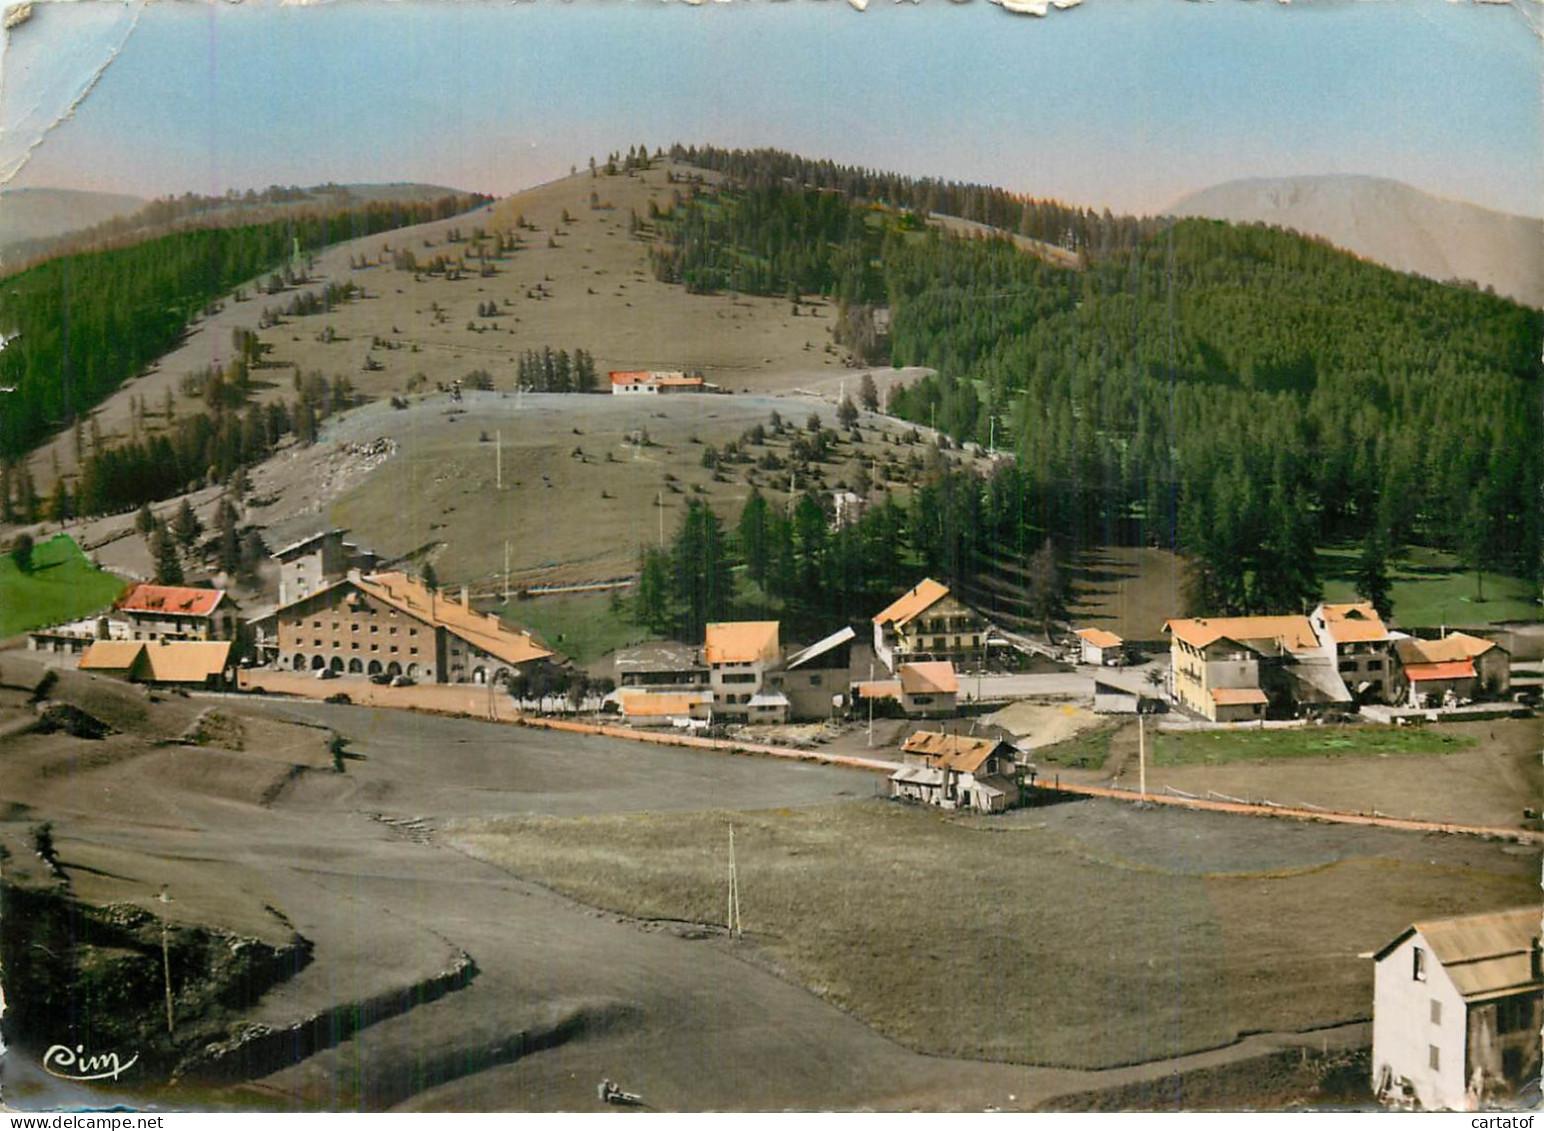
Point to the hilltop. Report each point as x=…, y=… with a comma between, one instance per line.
x=1392, y=224
x=32, y=214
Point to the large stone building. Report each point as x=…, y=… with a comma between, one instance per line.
x=928, y=623
x=311, y=563
x=393, y=625
x=1457, y=1006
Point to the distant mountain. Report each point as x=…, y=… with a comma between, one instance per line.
x=40, y=213
x=1393, y=224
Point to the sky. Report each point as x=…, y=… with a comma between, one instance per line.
x=1125, y=104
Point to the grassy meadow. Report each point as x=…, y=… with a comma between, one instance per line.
x=62, y=585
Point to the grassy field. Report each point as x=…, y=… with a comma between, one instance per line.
x=1429, y=589
x=1181, y=748
x=1020, y=943
x=1084, y=751
x=62, y=585
x=582, y=626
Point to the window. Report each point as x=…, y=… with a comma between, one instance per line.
x=375, y=647
x=394, y=630
x=1513, y=1014
x=375, y=628
x=1436, y=1012
x=1434, y=1058
x=316, y=624
x=393, y=647
x=316, y=643
x=354, y=646
x=1375, y=665
x=815, y=679
x=1418, y=964
x=353, y=628
x=412, y=651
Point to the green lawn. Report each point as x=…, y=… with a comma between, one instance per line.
x=582, y=626
x=62, y=586
x=1084, y=751
x=1182, y=748
x=1430, y=589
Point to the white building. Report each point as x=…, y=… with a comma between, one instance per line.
x=1457, y=1005
x=738, y=655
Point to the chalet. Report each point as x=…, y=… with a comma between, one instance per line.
x=924, y=690
x=1100, y=647
x=1240, y=669
x=390, y=624
x=201, y=664
x=814, y=679
x=311, y=563
x=1457, y=1008
x=739, y=654
x=1357, y=638
x=1458, y=666
x=957, y=772
x=178, y=612
x=928, y=623
x=643, y=382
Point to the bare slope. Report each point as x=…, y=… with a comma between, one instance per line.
x=37, y=213
x=1392, y=224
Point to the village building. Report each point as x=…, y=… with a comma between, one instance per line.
x=312, y=563
x=929, y=689
x=1457, y=1009
x=957, y=772
x=739, y=654
x=1455, y=668
x=1360, y=643
x=1241, y=669
x=74, y=637
x=660, y=665
x=199, y=664
x=814, y=679
x=647, y=708
x=1100, y=647
x=392, y=625
x=928, y=623
x=649, y=383
x=178, y=612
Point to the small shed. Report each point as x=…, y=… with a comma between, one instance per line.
x=1101, y=648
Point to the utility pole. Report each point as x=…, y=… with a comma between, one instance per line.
x=1142, y=754
x=659, y=502
x=506, y=571
x=166, y=969
x=736, y=927
x=498, y=458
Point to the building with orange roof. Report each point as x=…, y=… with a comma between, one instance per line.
x=957, y=772
x=179, y=663
x=1278, y=660
x=1100, y=646
x=1457, y=1008
x=927, y=622
x=178, y=612
x=1356, y=636
x=391, y=624
x=1456, y=666
x=643, y=707
x=739, y=654
x=651, y=382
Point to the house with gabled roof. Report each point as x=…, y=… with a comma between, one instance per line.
x=391, y=624
x=1360, y=643
x=957, y=772
x=176, y=663
x=739, y=654
x=178, y=612
x=1240, y=669
x=814, y=679
x=1458, y=665
x=1099, y=646
x=1457, y=1009
x=927, y=622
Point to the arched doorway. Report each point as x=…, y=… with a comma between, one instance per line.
x=394, y=669
x=337, y=664
x=412, y=671
x=356, y=666
x=318, y=663
x=298, y=663
x=374, y=668
x=479, y=675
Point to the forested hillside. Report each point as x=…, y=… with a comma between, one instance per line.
x=81, y=324
x=1237, y=392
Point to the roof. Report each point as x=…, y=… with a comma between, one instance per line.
x=936, y=677
x=176, y=600
x=111, y=655
x=295, y=547
x=1452, y=647
x=922, y=597
x=1453, y=669
x=409, y=595
x=920, y=775
x=187, y=661
x=651, y=377
x=767, y=699
x=1236, y=696
x=820, y=648
x=1294, y=633
x=657, y=704
x=951, y=751
x=674, y=379
x=1487, y=955
x=658, y=656
x=878, y=689
x=1099, y=638
x=1354, y=624
x=740, y=642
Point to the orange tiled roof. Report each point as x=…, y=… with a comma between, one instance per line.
x=660, y=704
x=1237, y=696
x=111, y=655
x=740, y=642
x=179, y=600
x=933, y=677
x=924, y=596
x=1354, y=623
x=1453, y=647
x=1099, y=638
x=1450, y=669
x=481, y=630
x=1294, y=632
x=187, y=661
x=879, y=689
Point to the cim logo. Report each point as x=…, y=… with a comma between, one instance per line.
x=74, y=1064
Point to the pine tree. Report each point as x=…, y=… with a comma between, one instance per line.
x=868, y=393
x=1372, y=574
x=186, y=526
x=752, y=533
x=163, y=548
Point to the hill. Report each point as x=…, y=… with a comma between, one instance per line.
x=1392, y=224
x=29, y=214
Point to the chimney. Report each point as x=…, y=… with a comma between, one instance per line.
x=465, y=604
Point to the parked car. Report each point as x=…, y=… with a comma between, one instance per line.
x=338, y=697
x=402, y=681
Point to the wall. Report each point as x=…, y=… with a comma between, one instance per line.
x=1403, y=1031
